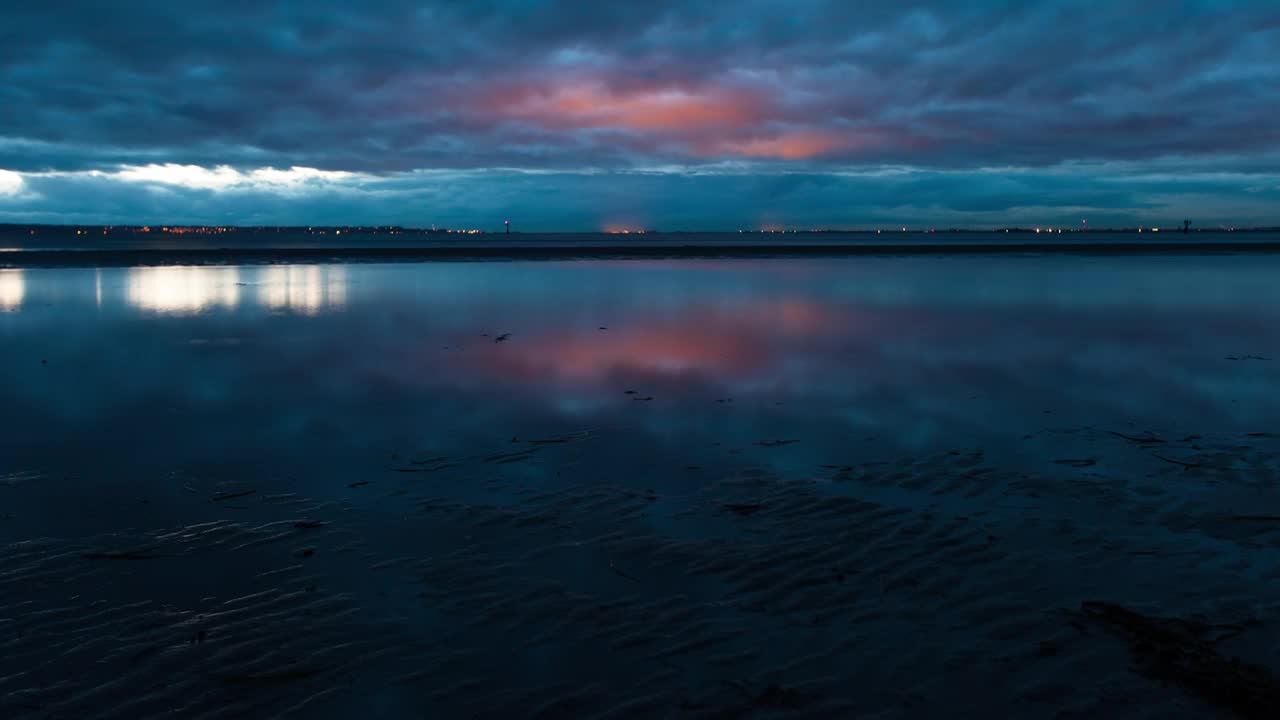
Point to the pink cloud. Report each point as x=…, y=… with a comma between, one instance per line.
x=590, y=104
x=707, y=121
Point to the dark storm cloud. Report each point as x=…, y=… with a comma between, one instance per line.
x=806, y=87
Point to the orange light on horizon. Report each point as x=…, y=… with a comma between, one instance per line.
x=622, y=228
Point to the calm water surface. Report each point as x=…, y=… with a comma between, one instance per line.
x=131, y=396
x=324, y=368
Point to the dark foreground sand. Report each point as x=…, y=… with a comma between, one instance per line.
x=451, y=587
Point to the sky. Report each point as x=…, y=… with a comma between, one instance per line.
x=585, y=115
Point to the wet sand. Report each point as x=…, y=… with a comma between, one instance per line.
x=448, y=586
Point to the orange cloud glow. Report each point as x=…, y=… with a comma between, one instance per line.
x=595, y=105
x=709, y=121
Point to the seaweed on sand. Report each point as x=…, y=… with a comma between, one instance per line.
x=1184, y=652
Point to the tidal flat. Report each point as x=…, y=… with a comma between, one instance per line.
x=890, y=486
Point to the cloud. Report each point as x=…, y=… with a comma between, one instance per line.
x=10, y=182
x=570, y=86
x=225, y=177
x=788, y=145
x=595, y=105
x=726, y=197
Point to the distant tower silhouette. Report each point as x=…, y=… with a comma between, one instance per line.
x=508, y=224
x=1186, y=226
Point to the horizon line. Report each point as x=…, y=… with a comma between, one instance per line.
x=219, y=228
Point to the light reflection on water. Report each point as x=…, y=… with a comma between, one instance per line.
x=12, y=289
x=183, y=289
x=327, y=366
x=306, y=288
x=189, y=290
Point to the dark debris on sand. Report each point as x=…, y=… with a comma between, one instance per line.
x=1183, y=652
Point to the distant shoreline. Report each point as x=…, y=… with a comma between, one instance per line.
x=565, y=250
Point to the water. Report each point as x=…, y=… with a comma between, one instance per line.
x=331, y=363
x=132, y=396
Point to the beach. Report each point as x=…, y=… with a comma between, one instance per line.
x=677, y=484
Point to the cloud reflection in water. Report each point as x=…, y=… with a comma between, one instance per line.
x=305, y=289
x=314, y=364
x=12, y=290
x=183, y=289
